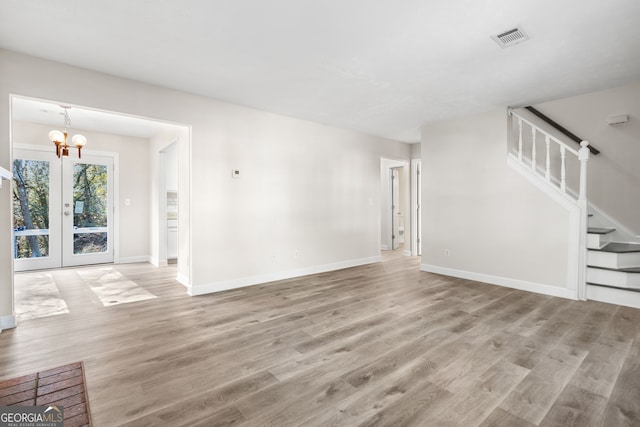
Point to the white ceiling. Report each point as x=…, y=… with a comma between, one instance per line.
x=82, y=118
x=383, y=67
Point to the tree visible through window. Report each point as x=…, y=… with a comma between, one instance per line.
x=90, y=207
x=31, y=208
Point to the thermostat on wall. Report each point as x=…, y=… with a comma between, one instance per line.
x=235, y=173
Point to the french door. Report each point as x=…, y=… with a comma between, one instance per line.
x=62, y=210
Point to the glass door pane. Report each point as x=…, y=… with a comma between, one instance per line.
x=36, y=241
x=88, y=201
x=90, y=221
x=31, y=208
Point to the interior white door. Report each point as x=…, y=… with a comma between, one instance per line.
x=62, y=210
x=87, y=209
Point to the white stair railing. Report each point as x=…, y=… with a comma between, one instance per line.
x=558, y=181
x=582, y=155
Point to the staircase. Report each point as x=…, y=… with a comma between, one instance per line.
x=612, y=264
x=608, y=260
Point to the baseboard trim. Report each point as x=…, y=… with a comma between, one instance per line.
x=184, y=281
x=384, y=247
x=613, y=296
x=157, y=263
x=522, y=285
x=406, y=253
x=134, y=259
x=226, y=285
x=7, y=322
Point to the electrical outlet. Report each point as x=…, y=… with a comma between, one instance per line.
x=447, y=252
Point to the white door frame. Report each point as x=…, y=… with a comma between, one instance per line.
x=416, y=207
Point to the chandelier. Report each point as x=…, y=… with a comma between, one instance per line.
x=60, y=138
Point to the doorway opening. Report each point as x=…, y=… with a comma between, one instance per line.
x=97, y=209
x=169, y=205
x=397, y=213
x=395, y=207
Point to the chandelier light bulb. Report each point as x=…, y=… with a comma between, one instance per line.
x=56, y=136
x=79, y=140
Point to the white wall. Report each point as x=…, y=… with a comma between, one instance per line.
x=416, y=151
x=497, y=227
x=308, y=198
x=133, y=155
x=614, y=174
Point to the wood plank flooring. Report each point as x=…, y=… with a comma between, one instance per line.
x=383, y=344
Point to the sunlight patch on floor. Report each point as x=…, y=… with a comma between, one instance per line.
x=112, y=288
x=37, y=295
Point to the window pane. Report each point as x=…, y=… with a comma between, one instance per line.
x=89, y=243
x=31, y=208
x=89, y=195
x=23, y=246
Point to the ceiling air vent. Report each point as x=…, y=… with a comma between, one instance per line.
x=510, y=37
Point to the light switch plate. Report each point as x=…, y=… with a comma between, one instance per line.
x=235, y=173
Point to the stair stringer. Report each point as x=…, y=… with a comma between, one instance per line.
x=576, y=271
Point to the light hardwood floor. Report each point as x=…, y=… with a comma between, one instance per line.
x=383, y=344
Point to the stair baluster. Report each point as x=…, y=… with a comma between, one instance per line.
x=520, y=139
x=547, y=173
x=533, y=149
x=563, y=169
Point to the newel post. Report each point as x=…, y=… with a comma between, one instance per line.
x=583, y=157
